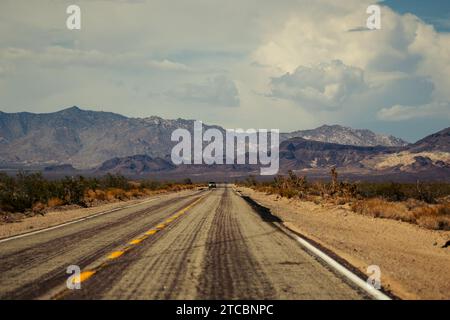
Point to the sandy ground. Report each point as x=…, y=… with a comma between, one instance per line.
x=412, y=261
x=63, y=215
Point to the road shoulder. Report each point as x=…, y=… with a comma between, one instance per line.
x=412, y=262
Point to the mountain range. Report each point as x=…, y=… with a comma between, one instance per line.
x=100, y=142
x=345, y=135
x=82, y=138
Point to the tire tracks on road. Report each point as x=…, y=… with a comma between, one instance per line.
x=29, y=259
x=230, y=269
x=155, y=273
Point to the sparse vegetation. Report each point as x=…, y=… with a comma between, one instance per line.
x=424, y=204
x=429, y=216
x=33, y=194
x=292, y=186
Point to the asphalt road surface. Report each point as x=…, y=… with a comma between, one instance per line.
x=199, y=245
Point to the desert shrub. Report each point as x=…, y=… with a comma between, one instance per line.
x=38, y=208
x=114, y=181
x=425, y=204
x=429, y=192
x=54, y=202
x=433, y=216
x=250, y=181
x=430, y=216
x=294, y=185
x=73, y=190
x=31, y=192
x=380, y=208
x=20, y=193
x=150, y=185
x=115, y=194
x=434, y=223
x=390, y=191
x=136, y=193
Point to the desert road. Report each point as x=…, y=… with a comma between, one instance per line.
x=208, y=244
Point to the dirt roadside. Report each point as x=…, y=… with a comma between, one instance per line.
x=413, y=263
x=62, y=215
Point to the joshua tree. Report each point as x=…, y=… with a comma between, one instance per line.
x=334, y=181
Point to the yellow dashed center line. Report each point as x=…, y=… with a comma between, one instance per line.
x=151, y=232
x=136, y=241
x=83, y=277
x=116, y=254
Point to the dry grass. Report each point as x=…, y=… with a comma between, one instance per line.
x=38, y=208
x=436, y=217
x=96, y=197
x=54, y=202
x=424, y=204
x=31, y=194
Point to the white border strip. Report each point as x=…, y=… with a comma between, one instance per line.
x=74, y=221
x=377, y=294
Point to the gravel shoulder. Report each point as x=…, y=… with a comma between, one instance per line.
x=413, y=262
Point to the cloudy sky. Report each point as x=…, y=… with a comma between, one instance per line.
x=254, y=64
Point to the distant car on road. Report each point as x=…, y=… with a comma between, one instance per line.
x=212, y=185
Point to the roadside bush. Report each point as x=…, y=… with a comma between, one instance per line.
x=54, y=202
x=150, y=185
x=429, y=192
x=424, y=204
x=390, y=191
x=380, y=208
x=293, y=185
x=430, y=216
x=33, y=193
x=435, y=217
x=114, y=181
x=20, y=193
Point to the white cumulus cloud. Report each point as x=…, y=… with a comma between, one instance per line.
x=406, y=63
x=326, y=85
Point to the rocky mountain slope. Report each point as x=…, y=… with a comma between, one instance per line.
x=135, y=165
x=103, y=142
x=347, y=136
x=439, y=141
x=299, y=153
x=312, y=156
x=305, y=157
x=85, y=139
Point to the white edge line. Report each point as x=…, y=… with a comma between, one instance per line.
x=74, y=221
x=377, y=294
